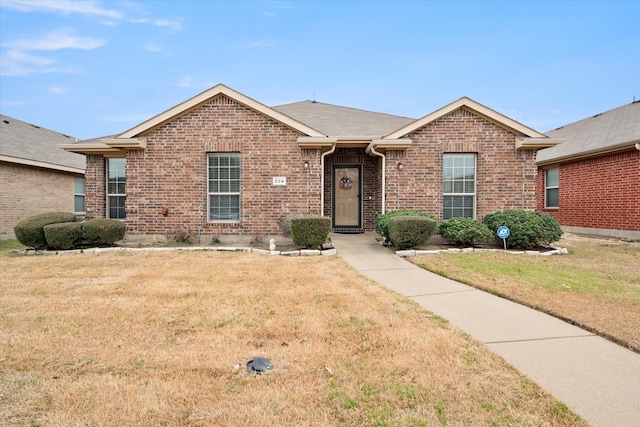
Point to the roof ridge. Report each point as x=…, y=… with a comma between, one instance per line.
x=341, y=106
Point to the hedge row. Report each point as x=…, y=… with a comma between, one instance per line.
x=59, y=230
x=529, y=229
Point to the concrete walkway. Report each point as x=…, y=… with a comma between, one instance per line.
x=597, y=379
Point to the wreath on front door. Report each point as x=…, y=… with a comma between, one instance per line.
x=346, y=183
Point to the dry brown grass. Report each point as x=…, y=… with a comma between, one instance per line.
x=596, y=286
x=162, y=338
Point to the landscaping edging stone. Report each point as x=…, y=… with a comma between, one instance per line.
x=301, y=252
x=417, y=252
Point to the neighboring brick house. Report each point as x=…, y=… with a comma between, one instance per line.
x=591, y=182
x=36, y=175
x=222, y=164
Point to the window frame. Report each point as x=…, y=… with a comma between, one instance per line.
x=235, y=211
x=117, y=195
x=548, y=187
x=77, y=196
x=464, y=181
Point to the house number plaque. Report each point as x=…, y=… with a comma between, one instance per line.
x=279, y=180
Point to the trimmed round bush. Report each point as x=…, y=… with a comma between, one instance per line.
x=310, y=231
x=65, y=235
x=528, y=229
x=382, y=221
x=409, y=231
x=30, y=231
x=103, y=231
x=465, y=232
x=550, y=228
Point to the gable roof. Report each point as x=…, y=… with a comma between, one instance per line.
x=337, y=121
x=475, y=107
x=319, y=125
x=206, y=96
x=614, y=130
x=27, y=144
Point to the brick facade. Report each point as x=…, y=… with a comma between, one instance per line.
x=171, y=172
x=505, y=177
x=601, y=192
x=28, y=191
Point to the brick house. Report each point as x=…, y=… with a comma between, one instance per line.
x=591, y=182
x=222, y=164
x=36, y=175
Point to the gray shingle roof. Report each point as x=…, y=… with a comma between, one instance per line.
x=29, y=142
x=333, y=120
x=609, y=130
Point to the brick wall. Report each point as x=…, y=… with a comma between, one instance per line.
x=602, y=192
x=505, y=177
x=28, y=191
x=95, y=186
x=171, y=173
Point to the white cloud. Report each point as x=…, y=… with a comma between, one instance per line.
x=57, y=90
x=152, y=47
x=186, y=81
x=16, y=55
x=172, y=24
x=64, y=7
x=59, y=39
x=90, y=8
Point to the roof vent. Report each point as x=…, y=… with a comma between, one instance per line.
x=599, y=114
x=37, y=127
x=6, y=121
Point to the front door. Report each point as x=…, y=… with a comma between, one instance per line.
x=346, y=198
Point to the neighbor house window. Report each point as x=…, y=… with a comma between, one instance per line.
x=116, y=195
x=459, y=174
x=78, y=194
x=224, y=186
x=552, y=188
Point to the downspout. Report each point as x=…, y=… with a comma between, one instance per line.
x=372, y=150
x=322, y=156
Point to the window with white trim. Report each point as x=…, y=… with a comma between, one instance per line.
x=78, y=195
x=459, y=185
x=224, y=186
x=116, y=195
x=552, y=188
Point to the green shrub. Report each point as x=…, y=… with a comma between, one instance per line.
x=65, y=235
x=310, y=231
x=382, y=222
x=528, y=228
x=102, y=231
x=30, y=231
x=410, y=231
x=465, y=232
x=551, y=231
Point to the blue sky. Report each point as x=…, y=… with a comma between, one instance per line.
x=96, y=68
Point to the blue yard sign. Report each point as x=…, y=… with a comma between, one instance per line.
x=503, y=233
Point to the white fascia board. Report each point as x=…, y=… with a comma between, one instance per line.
x=524, y=143
x=587, y=154
x=129, y=143
x=89, y=148
x=392, y=144
x=485, y=112
x=38, y=164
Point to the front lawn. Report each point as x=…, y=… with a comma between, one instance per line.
x=596, y=286
x=162, y=338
